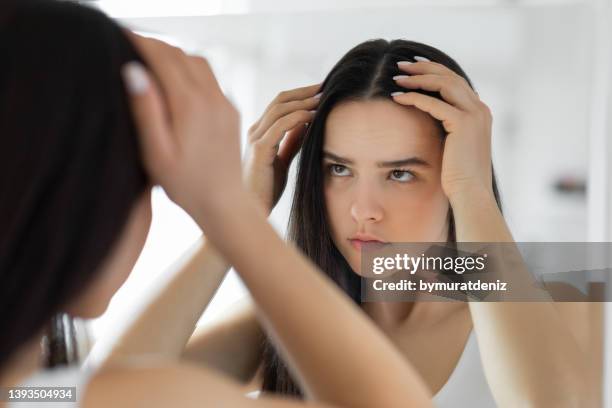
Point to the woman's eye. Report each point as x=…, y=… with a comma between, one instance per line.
x=401, y=175
x=338, y=170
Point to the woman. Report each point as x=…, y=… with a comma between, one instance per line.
x=76, y=172
x=397, y=150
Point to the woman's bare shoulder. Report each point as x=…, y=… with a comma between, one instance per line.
x=169, y=385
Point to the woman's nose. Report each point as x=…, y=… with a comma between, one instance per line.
x=366, y=207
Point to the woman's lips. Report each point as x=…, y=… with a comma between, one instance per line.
x=366, y=245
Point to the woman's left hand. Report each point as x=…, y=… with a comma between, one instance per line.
x=466, y=162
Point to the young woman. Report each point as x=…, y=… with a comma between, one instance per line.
x=76, y=169
x=398, y=149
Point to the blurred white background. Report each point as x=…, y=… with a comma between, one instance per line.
x=543, y=67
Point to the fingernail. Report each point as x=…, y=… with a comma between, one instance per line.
x=135, y=77
x=397, y=93
x=313, y=111
x=418, y=58
x=398, y=77
x=318, y=96
x=404, y=63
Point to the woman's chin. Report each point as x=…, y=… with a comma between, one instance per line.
x=356, y=268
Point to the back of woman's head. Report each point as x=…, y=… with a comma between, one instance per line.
x=364, y=73
x=69, y=159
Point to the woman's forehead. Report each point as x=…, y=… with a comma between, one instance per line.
x=380, y=130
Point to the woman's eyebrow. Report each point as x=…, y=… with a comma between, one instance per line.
x=415, y=161
x=328, y=155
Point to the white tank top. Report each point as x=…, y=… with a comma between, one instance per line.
x=467, y=385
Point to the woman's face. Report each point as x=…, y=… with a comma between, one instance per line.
x=381, y=166
x=119, y=263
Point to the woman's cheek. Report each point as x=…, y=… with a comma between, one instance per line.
x=416, y=217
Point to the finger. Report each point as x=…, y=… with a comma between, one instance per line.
x=291, y=144
x=255, y=131
x=150, y=47
x=434, y=106
x=430, y=67
x=294, y=95
x=427, y=67
x=297, y=93
x=157, y=144
x=191, y=66
x=203, y=75
x=278, y=111
x=275, y=134
x=452, y=90
x=168, y=65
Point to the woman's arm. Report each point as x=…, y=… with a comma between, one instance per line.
x=337, y=354
x=232, y=344
x=272, y=142
x=529, y=355
x=528, y=352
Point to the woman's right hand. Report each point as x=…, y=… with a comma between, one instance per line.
x=189, y=131
x=267, y=160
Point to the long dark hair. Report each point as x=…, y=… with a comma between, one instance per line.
x=365, y=72
x=70, y=169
